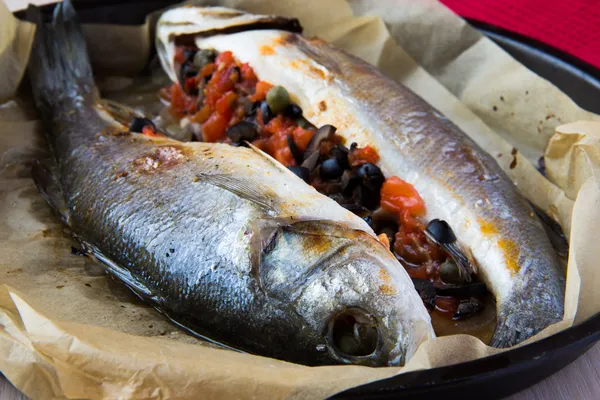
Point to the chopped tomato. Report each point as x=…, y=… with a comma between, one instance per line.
x=262, y=88
x=207, y=70
x=302, y=137
x=148, y=130
x=417, y=272
x=284, y=156
x=226, y=103
x=179, y=55
x=260, y=143
x=362, y=155
x=214, y=128
x=191, y=83
x=447, y=306
x=202, y=115
x=402, y=198
x=249, y=78
x=412, y=246
x=181, y=103
x=280, y=123
x=225, y=57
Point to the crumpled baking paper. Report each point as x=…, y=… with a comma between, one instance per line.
x=68, y=331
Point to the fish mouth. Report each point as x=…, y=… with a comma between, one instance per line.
x=353, y=336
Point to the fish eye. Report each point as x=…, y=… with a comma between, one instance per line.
x=353, y=333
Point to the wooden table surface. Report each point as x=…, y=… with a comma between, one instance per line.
x=580, y=380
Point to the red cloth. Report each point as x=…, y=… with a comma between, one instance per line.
x=572, y=26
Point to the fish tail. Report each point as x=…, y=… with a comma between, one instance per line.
x=59, y=69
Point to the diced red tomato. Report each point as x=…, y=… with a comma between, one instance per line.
x=181, y=103
x=148, y=130
x=262, y=88
x=302, y=137
x=417, y=272
x=214, y=128
x=284, y=156
x=226, y=104
x=191, y=83
x=362, y=155
x=249, y=78
x=260, y=143
x=402, y=198
x=179, y=56
x=207, y=70
x=225, y=57
x=202, y=115
x=414, y=248
x=447, y=306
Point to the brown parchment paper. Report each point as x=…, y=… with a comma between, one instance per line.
x=15, y=40
x=67, y=331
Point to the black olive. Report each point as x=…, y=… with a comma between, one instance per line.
x=349, y=182
x=466, y=290
x=369, y=220
x=203, y=57
x=298, y=156
x=189, y=53
x=371, y=176
x=383, y=220
x=301, y=172
x=250, y=106
x=366, y=197
x=137, y=124
x=340, y=152
x=266, y=112
x=292, y=111
x=242, y=131
x=331, y=169
x=468, y=308
x=325, y=132
x=187, y=71
x=357, y=209
x=439, y=231
x=427, y=292
x=340, y=199
x=311, y=161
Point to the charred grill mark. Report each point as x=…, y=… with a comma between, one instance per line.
x=280, y=23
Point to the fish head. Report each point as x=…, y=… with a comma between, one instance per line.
x=357, y=304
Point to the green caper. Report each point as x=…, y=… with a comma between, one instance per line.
x=277, y=99
x=450, y=273
x=203, y=57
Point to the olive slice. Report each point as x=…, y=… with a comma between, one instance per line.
x=325, y=132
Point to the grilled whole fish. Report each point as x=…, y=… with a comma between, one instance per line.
x=224, y=240
x=459, y=182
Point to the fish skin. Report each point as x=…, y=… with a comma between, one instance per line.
x=459, y=182
x=224, y=240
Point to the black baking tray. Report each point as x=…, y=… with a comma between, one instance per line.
x=491, y=377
